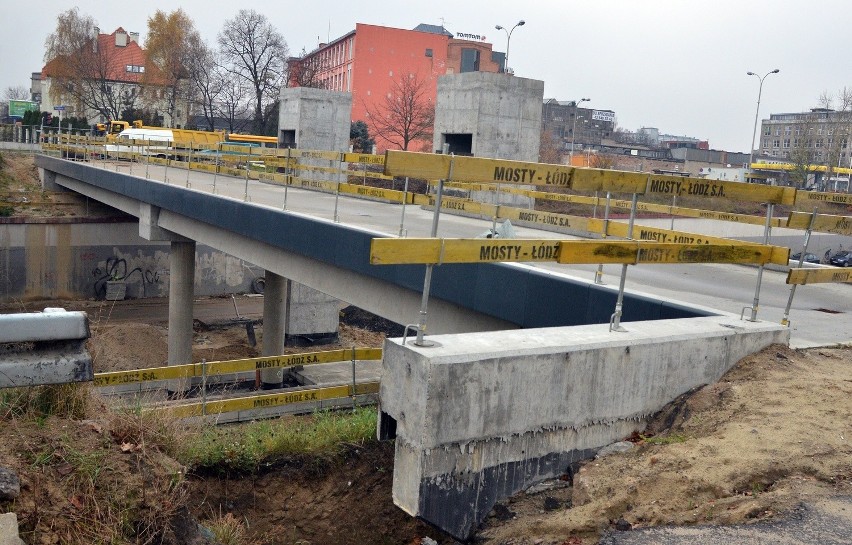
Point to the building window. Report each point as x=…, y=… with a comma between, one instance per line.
x=786, y=142
x=818, y=143
x=777, y=131
x=469, y=60
x=787, y=130
x=135, y=69
x=428, y=51
x=776, y=143
x=767, y=131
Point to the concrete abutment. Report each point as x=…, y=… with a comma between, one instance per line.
x=484, y=416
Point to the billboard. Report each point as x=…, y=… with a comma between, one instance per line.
x=17, y=108
x=603, y=115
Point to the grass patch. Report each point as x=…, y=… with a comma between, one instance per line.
x=38, y=402
x=244, y=448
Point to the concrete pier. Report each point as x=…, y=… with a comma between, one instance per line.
x=274, y=325
x=483, y=416
x=181, y=281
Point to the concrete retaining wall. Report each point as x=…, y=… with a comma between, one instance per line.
x=484, y=416
x=75, y=260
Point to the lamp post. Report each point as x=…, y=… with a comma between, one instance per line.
x=509, y=38
x=756, y=112
x=574, y=128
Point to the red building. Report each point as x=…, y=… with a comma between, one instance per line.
x=369, y=62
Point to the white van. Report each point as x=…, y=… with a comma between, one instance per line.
x=153, y=142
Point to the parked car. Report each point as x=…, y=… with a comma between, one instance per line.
x=809, y=258
x=841, y=259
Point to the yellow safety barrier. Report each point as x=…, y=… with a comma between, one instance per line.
x=390, y=251
x=790, y=167
x=201, y=408
x=189, y=370
x=824, y=223
x=552, y=219
x=390, y=195
x=364, y=158
x=636, y=252
x=313, y=154
x=818, y=276
x=474, y=169
x=450, y=203
x=806, y=197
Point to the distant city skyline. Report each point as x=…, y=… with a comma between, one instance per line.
x=670, y=64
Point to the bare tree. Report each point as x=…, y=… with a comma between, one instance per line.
x=803, y=153
x=172, y=43
x=838, y=127
x=548, y=150
x=231, y=103
x=307, y=71
x=255, y=52
x=407, y=113
x=16, y=92
x=604, y=160
x=206, y=78
x=79, y=67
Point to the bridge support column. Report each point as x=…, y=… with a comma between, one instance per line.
x=313, y=318
x=181, y=284
x=274, y=325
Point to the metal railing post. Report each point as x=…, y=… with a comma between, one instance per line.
x=216, y=170
x=766, y=232
x=288, y=177
x=615, y=319
x=496, y=211
x=404, y=202
x=354, y=404
x=188, y=164
x=599, y=272
x=427, y=280
x=786, y=319
x=248, y=164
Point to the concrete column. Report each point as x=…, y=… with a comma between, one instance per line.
x=181, y=284
x=274, y=325
x=313, y=318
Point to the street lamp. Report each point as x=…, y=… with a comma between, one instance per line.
x=509, y=38
x=574, y=128
x=756, y=112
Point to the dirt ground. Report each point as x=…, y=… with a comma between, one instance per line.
x=774, y=432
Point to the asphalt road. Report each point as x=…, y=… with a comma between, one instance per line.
x=818, y=314
x=826, y=522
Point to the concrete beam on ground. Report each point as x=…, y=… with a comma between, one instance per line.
x=44, y=348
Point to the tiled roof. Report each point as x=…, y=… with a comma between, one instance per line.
x=119, y=58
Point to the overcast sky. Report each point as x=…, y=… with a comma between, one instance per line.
x=678, y=65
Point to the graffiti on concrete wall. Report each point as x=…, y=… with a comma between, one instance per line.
x=116, y=269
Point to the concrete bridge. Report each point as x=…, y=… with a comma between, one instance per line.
x=525, y=379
